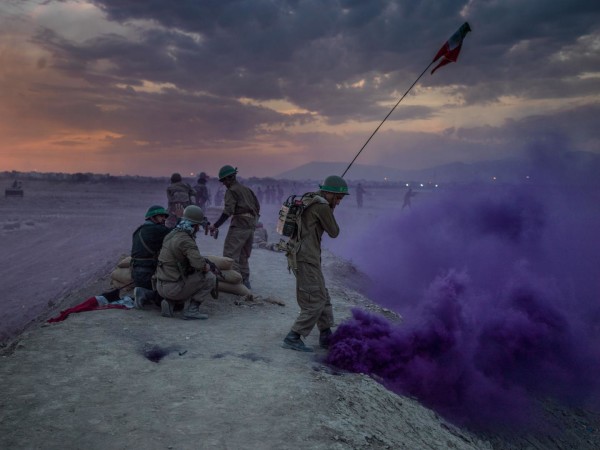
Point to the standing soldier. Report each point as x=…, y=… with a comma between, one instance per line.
x=407, y=196
x=304, y=258
x=179, y=195
x=147, y=240
x=360, y=191
x=183, y=274
x=243, y=207
x=202, y=195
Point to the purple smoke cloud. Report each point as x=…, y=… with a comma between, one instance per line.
x=499, y=291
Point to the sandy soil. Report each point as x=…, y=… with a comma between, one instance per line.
x=91, y=382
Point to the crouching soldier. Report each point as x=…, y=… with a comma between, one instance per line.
x=146, y=243
x=183, y=274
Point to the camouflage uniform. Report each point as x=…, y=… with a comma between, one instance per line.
x=180, y=275
x=179, y=195
x=311, y=293
x=242, y=206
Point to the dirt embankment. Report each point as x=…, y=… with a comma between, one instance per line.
x=118, y=379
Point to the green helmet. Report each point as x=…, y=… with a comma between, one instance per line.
x=156, y=210
x=226, y=171
x=194, y=214
x=334, y=184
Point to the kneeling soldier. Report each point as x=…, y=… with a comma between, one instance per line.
x=183, y=274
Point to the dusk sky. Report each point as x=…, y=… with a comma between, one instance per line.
x=154, y=87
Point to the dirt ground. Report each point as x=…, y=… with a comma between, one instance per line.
x=117, y=379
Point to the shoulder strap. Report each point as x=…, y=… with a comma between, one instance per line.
x=154, y=254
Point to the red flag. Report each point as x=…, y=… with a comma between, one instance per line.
x=450, y=50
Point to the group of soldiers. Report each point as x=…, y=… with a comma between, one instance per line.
x=168, y=268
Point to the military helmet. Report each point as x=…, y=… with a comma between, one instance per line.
x=175, y=177
x=226, y=171
x=194, y=214
x=335, y=184
x=156, y=210
x=203, y=176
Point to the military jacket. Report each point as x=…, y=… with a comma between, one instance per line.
x=316, y=219
x=242, y=205
x=179, y=256
x=146, y=243
x=180, y=192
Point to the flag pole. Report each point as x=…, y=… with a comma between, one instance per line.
x=388, y=115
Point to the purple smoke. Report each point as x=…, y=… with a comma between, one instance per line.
x=499, y=291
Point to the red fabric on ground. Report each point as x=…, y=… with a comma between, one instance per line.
x=91, y=304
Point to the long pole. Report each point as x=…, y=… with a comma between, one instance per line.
x=385, y=118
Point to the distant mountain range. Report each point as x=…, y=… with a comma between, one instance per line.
x=580, y=167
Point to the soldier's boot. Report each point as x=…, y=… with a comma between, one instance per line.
x=324, y=338
x=246, y=282
x=166, y=308
x=191, y=311
x=294, y=342
x=142, y=297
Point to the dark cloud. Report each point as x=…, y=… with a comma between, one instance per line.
x=341, y=61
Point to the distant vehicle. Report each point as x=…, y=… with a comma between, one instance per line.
x=16, y=190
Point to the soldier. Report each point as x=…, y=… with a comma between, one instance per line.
x=360, y=191
x=243, y=207
x=407, y=196
x=146, y=243
x=179, y=195
x=202, y=194
x=261, y=239
x=304, y=258
x=183, y=274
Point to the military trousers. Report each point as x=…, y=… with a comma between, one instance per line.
x=238, y=246
x=142, y=276
x=313, y=299
x=195, y=287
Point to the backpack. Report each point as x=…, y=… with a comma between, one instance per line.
x=290, y=213
x=289, y=223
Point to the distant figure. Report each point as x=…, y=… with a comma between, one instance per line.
x=279, y=198
x=360, y=191
x=179, y=196
x=409, y=194
x=219, y=197
x=202, y=194
x=261, y=239
x=260, y=194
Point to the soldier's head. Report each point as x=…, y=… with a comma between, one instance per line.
x=157, y=214
x=334, y=189
x=202, y=178
x=227, y=175
x=193, y=214
x=176, y=177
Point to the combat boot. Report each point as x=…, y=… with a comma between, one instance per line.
x=141, y=297
x=191, y=311
x=246, y=282
x=324, y=338
x=294, y=342
x=166, y=308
